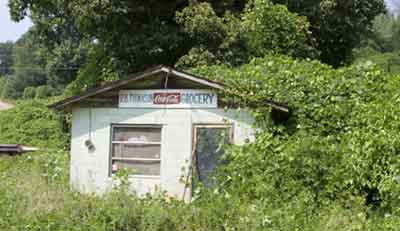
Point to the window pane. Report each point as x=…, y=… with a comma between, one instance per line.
x=151, y=168
x=209, y=149
x=137, y=134
x=136, y=151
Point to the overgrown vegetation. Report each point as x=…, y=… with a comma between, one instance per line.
x=382, y=45
x=340, y=144
x=31, y=123
x=87, y=43
x=332, y=166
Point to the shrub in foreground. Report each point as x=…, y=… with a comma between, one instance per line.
x=32, y=123
x=35, y=195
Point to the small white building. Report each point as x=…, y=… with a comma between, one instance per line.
x=163, y=124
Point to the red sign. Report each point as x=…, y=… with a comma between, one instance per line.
x=167, y=98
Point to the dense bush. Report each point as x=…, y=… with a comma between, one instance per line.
x=7, y=91
x=2, y=83
x=340, y=144
x=34, y=195
x=29, y=93
x=43, y=91
x=389, y=61
x=32, y=123
x=332, y=166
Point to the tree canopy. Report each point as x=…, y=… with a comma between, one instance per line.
x=262, y=28
x=129, y=36
x=6, y=58
x=382, y=45
x=28, y=67
x=337, y=25
x=29, y=64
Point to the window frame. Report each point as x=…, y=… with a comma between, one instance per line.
x=111, y=158
x=229, y=126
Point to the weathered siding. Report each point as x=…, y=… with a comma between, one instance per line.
x=90, y=169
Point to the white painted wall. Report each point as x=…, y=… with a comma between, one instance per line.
x=90, y=169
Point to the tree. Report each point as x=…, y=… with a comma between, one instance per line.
x=262, y=28
x=382, y=44
x=337, y=25
x=123, y=36
x=62, y=46
x=132, y=35
x=6, y=58
x=384, y=34
x=63, y=63
x=28, y=66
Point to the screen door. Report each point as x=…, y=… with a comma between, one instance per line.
x=209, y=143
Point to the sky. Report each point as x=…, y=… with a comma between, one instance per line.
x=11, y=31
x=392, y=4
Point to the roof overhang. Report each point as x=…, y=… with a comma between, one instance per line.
x=167, y=71
x=132, y=78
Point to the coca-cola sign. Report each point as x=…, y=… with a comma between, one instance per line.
x=167, y=98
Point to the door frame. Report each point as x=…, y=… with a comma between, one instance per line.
x=193, y=160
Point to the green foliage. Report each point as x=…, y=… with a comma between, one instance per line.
x=337, y=26
x=234, y=39
x=28, y=67
x=51, y=67
x=29, y=93
x=3, y=82
x=381, y=46
x=7, y=90
x=385, y=33
x=6, y=58
x=198, y=56
x=270, y=28
x=64, y=61
x=152, y=38
x=43, y=91
x=31, y=123
x=171, y=32
x=40, y=92
x=388, y=61
x=35, y=195
x=340, y=144
x=332, y=166
x=91, y=75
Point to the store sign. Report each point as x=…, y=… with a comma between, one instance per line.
x=167, y=98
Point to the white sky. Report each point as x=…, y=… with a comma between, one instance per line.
x=393, y=4
x=11, y=31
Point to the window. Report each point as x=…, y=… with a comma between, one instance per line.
x=137, y=148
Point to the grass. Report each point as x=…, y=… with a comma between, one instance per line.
x=35, y=195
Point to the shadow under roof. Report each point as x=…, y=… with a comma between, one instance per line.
x=159, y=77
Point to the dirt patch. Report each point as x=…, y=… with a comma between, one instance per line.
x=5, y=106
